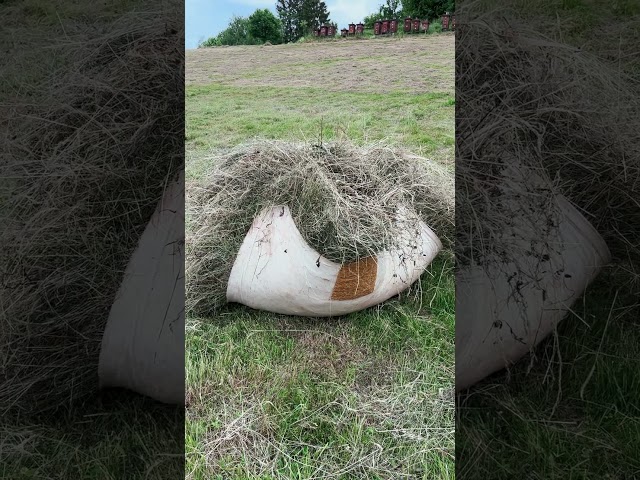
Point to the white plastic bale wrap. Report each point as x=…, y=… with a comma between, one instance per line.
x=276, y=270
x=143, y=343
x=499, y=320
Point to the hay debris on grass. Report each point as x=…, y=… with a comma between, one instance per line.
x=343, y=199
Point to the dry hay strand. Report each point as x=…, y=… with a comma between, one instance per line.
x=567, y=118
x=408, y=421
x=343, y=200
x=88, y=159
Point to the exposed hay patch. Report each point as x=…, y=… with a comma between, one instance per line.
x=343, y=199
x=89, y=152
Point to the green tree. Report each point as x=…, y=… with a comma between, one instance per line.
x=265, y=26
x=237, y=33
x=428, y=9
x=287, y=12
x=390, y=9
x=299, y=17
x=313, y=14
x=369, y=20
x=209, y=42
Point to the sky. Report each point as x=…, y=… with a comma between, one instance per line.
x=207, y=18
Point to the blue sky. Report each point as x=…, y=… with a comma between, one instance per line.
x=206, y=18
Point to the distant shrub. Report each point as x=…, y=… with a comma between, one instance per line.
x=369, y=20
x=209, y=42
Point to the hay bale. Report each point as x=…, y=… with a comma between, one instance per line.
x=343, y=200
x=89, y=157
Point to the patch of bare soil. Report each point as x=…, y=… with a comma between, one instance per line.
x=418, y=64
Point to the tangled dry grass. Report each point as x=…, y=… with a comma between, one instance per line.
x=88, y=149
x=343, y=199
x=408, y=421
x=562, y=115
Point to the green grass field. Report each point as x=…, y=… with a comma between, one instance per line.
x=368, y=395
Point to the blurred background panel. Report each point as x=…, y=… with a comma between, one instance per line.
x=92, y=114
x=548, y=239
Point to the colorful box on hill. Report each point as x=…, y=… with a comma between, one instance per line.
x=385, y=27
x=416, y=25
x=352, y=29
x=376, y=27
x=344, y=32
x=323, y=31
x=425, y=25
x=360, y=28
x=393, y=26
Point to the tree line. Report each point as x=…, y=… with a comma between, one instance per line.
x=298, y=18
x=423, y=9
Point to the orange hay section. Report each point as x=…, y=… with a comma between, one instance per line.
x=356, y=279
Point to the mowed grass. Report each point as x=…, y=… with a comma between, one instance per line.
x=224, y=116
x=368, y=395
x=365, y=396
